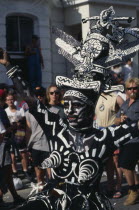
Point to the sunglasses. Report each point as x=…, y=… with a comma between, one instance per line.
x=132, y=88
x=55, y=92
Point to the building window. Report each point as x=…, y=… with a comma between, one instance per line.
x=19, y=30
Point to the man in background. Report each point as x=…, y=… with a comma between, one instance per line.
x=129, y=154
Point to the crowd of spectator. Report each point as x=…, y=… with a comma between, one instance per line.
x=22, y=139
x=112, y=110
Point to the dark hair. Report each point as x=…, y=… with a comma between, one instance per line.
x=10, y=94
x=128, y=59
x=39, y=91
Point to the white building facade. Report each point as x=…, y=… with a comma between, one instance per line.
x=20, y=19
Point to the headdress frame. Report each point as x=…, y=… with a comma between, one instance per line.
x=106, y=45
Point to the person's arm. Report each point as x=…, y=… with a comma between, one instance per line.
x=117, y=121
x=15, y=73
x=120, y=117
x=28, y=131
x=120, y=120
x=119, y=101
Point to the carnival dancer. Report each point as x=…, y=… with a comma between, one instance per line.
x=78, y=151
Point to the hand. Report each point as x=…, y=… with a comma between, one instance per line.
x=123, y=118
x=5, y=60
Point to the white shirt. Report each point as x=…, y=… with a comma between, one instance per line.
x=15, y=116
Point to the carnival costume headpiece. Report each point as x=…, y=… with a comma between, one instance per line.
x=106, y=45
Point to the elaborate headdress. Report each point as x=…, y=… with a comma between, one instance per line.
x=106, y=45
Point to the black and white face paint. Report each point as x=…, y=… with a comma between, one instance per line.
x=76, y=110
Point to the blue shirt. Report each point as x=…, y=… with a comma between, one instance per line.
x=132, y=112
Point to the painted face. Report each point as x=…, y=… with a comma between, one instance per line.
x=77, y=112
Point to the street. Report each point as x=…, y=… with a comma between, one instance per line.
x=117, y=203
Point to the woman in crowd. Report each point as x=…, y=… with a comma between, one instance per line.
x=6, y=180
x=16, y=116
x=54, y=98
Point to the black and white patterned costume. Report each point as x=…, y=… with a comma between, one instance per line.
x=77, y=160
x=77, y=156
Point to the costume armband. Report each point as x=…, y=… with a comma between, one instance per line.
x=15, y=73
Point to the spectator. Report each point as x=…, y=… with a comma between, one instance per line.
x=5, y=159
x=106, y=109
x=34, y=62
x=16, y=117
x=117, y=74
x=127, y=70
x=54, y=100
x=37, y=142
x=40, y=92
x=130, y=111
x=18, y=102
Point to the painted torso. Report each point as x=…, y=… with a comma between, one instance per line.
x=77, y=159
x=72, y=153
